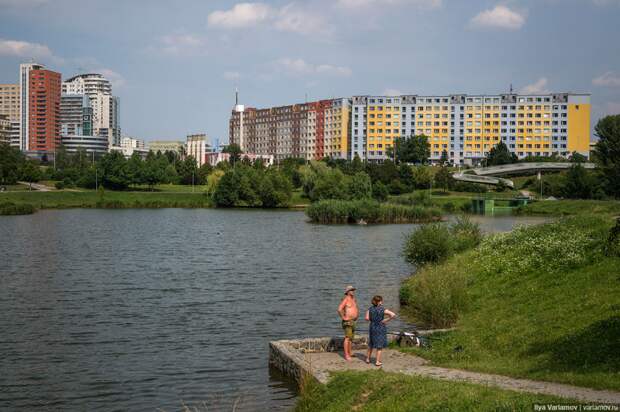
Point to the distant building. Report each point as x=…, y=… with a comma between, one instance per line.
x=9, y=106
x=213, y=158
x=129, y=146
x=167, y=146
x=465, y=127
x=39, y=110
x=5, y=129
x=106, y=106
x=197, y=146
x=76, y=115
x=97, y=145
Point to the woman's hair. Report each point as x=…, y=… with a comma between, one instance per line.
x=376, y=300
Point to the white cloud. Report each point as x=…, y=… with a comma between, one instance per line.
x=357, y=4
x=241, y=15
x=289, y=18
x=609, y=79
x=538, y=87
x=232, y=75
x=182, y=44
x=392, y=92
x=299, y=67
x=25, y=50
x=500, y=17
x=115, y=78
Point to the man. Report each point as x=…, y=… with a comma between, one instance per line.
x=348, y=313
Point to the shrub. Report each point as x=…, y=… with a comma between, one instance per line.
x=380, y=191
x=429, y=244
x=465, y=234
x=12, y=209
x=436, y=242
x=470, y=187
x=371, y=211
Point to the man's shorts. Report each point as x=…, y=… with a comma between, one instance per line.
x=349, y=328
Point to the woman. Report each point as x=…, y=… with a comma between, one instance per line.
x=377, y=333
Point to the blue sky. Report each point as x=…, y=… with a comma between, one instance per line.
x=175, y=64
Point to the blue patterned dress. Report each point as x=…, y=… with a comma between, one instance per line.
x=377, y=332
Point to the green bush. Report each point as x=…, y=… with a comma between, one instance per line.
x=12, y=209
x=429, y=244
x=465, y=234
x=370, y=211
x=436, y=242
x=470, y=187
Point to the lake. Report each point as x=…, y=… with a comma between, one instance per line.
x=146, y=310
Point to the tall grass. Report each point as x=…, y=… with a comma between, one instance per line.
x=12, y=209
x=370, y=211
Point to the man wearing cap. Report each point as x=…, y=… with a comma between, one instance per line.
x=348, y=313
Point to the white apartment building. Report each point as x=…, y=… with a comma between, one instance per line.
x=129, y=146
x=106, y=107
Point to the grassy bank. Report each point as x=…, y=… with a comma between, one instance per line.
x=378, y=391
x=110, y=199
x=541, y=302
x=12, y=209
x=570, y=207
x=344, y=211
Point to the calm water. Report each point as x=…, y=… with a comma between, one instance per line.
x=142, y=310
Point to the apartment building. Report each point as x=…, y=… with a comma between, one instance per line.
x=466, y=127
x=76, y=115
x=5, y=129
x=105, y=106
x=9, y=107
x=39, y=131
x=309, y=130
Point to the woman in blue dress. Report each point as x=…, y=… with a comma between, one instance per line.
x=378, y=316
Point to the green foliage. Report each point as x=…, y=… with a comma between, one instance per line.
x=370, y=211
x=469, y=187
x=444, y=179
x=579, y=183
x=379, y=391
x=380, y=192
x=422, y=177
x=412, y=149
x=246, y=186
x=11, y=161
x=437, y=242
x=607, y=152
x=12, y=209
x=612, y=244
x=30, y=171
x=235, y=153
x=359, y=186
x=541, y=303
x=500, y=155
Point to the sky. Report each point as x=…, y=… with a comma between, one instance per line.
x=175, y=64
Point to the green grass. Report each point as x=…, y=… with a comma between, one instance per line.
x=15, y=188
x=379, y=391
x=298, y=199
x=571, y=207
x=91, y=199
x=542, y=302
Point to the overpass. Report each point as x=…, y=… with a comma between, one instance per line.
x=488, y=175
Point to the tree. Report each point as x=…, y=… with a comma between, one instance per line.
x=11, y=161
x=444, y=179
x=579, y=183
x=30, y=172
x=112, y=169
x=356, y=164
x=226, y=193
x=423, y=177
x=359, y=186
x=235, y=152
x=188, y=171
x=500, y=155
x=153, y=172
x=380, y=191
x=444, y=161
x=212, y=181
x=135, y=169
x=412, y=149
x=607, y=152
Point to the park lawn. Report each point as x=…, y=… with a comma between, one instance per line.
x=111, y=199
x=542, y=302
x=379, y=391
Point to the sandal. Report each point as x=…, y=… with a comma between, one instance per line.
x=379, y=364
x=368, y=361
